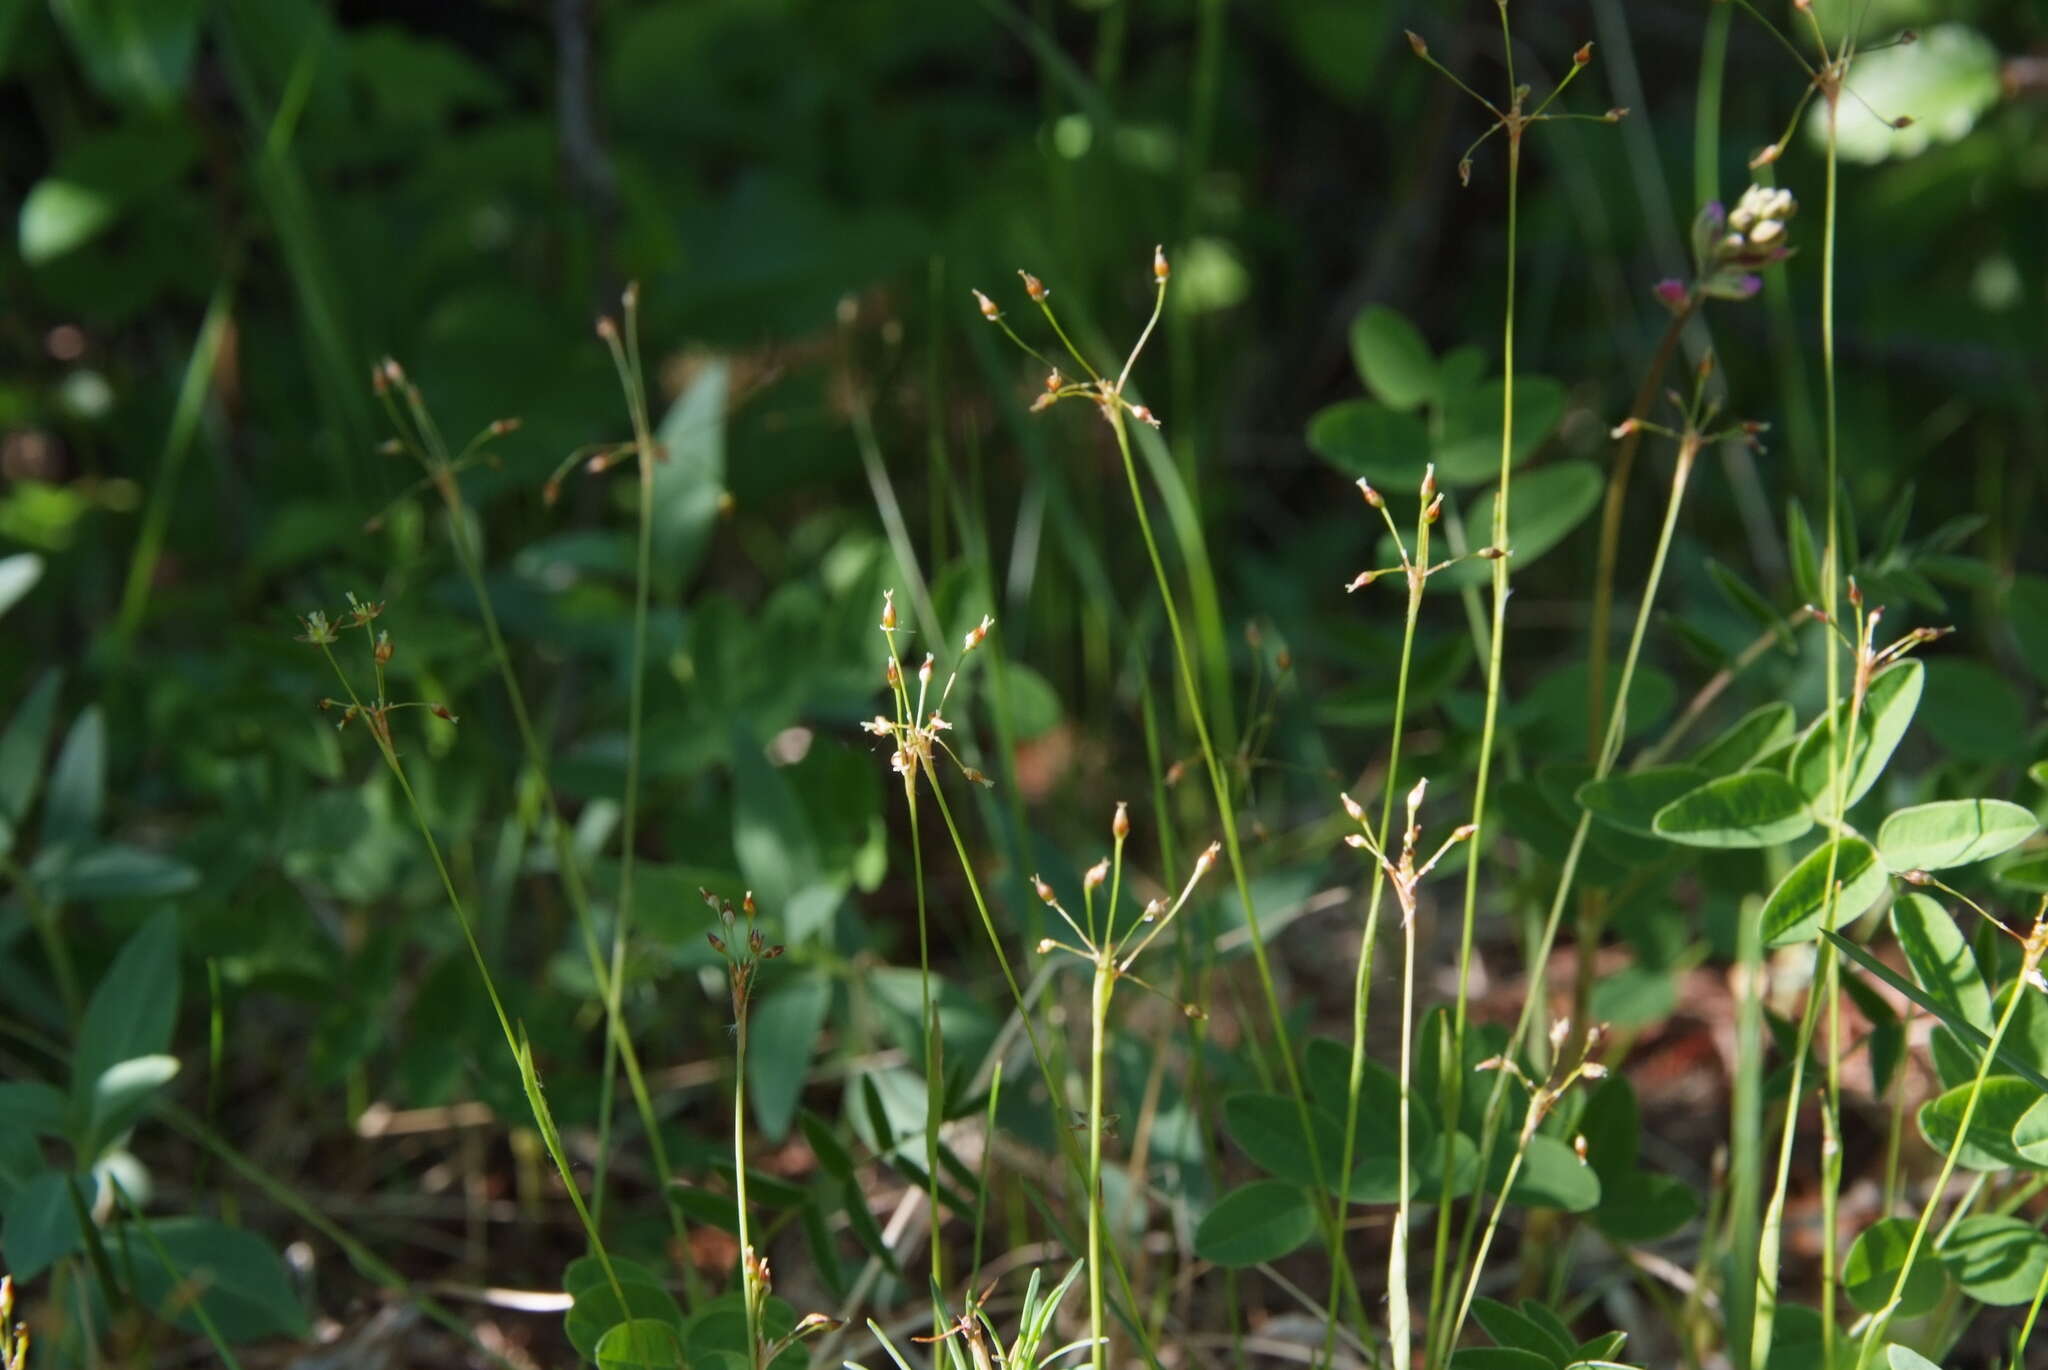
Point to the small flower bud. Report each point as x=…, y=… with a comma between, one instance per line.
x=1583, y=56
x=1353, y=807
x=1428, y=482
x=1615, y=115
x=1560, y=1029
x=747, y=904
x=1045, y=944
x=891, y=673
x=717, y=943
x=1207, y=859
x=1593, y=1070
x=1491, y=553
x=393, y=372
x=1120, y=825
x=1855, y=593
x=383, y=650
x=1624, y=428
x=1579, y=1147
x=440, y=711
x=1144, y=415
x=606, y=329
x=1097, y=873
x=755, y=944
x=1044, y=890
x=1372, y=496
x=1464, y=832
x=1435, y=510
x=1355, y=840
x=1361, y=580
x=888, y=611
x=1054, y=381
x=1160, y=270
x=500, y=427
x=978, y=634
x=1195, y=1012
x=1671, y=293
x=1034, y=287
x=1766, y=155
x=1154, y=909
x=924, y=672
x=1415, y=43
x=1916, y=876
x=988, y=307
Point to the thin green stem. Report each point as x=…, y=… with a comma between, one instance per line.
x=1454, y=1081
x=1873, y=1335
x=934, y=1084
x=55, y=949
x=1233, y=848
x=750, y=1294
x=1098, y=1022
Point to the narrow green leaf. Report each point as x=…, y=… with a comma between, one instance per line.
x=2008, y=1058
x=22, y=745
x=1952, y=832
x=1747, y=809
x=78, y=783
x=1747, y=600
x=1509, y=1327
x=18, y=575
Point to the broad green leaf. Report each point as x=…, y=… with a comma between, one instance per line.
x=2026, y=609
x=120, y=1095
x=1500, y=1358
x=1471, y=430
x=1510, y=1327
x=1875, y=1260
x=1600, y=1350
x=40, y=1225
x=1366, y=438
x=1998, y=1261
x=1941, y=959
x=1642, y=1207
x=784, y=1033
x=58, y=215
x=1261, y=1221
x=1899, y=1357
x=1540, y=1313
x=1944, y=83
x=116, y=870
x=18, y=575
x=1551, y=1176
x=1392, y=359
x=1952, y=832
x=597, y=1310
x=587, y=1272
x=1630, y=801
x=1748, y=740
x=136, y=52
x=134, y=1006
x=775, y=846
x=36, y=1107
x=1797, y=908
x=1268, y=1128
x=2030, y=1134
x=1990, y=1143
x=1545, y=505
x=1887, y=710
x=1747, y=809
x=719, y=1329
x=1974, y=711
x=22, y=746
x=78, y=783
x=689, y=481
x=641, y=1344
x=1748, y=600
x=2029, y=874
x=244, y=1286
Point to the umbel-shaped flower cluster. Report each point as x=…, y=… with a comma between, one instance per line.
x=919, y=728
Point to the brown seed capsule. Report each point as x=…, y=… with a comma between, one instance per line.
x=1160, y=270
x=606, y=329
x=1616, y=115
x=1120, y=826
x=1420, y=48
x=1361, y=580
x=1034, y=287
x=440, y=711
x=1465, y=832
x=988, y=307
x=1054, y=381
x=1491, y=553
x=1207, y=859
x=888, y=611
x=1097, y=873
x=1583, y=55
x=1045, y=944
x=1435, y=510
x=1043, y=890
x=1353, y=807
x=383, y=649
x=1372, y=496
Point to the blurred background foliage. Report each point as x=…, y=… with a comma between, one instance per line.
x=228, y=210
